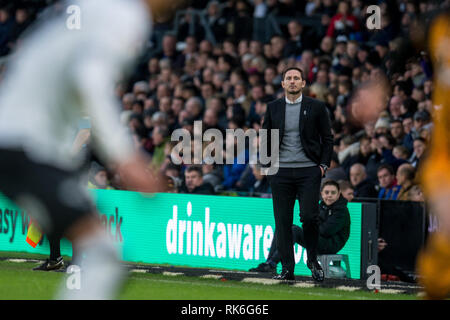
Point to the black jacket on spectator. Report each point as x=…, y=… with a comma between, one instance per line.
x=218, y=28
x=393, y=161
x=334, y=226
x=205, y=188
x=296, y=47
x=366, y=189
x=371, y=162
x=315, y=128
x=5, y=35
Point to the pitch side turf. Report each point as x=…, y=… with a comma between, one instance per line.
x=18, y=281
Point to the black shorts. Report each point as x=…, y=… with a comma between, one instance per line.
x=54, y=198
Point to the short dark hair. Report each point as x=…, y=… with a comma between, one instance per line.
x=344, y=185
x=365, y=137
x=410, y=105
x=422, y=115
x=173, y=166
x=346, y=83
x=292, y=68
x=195, y=168
x=139, y=103
x=406, y=117
x=421, y=140
x=389, y=138
x=398, y=120
x=330, y=182
x=404, y=86
x=386, y=166
x=403, y=149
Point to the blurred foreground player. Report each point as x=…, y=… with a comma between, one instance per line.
x=433, y=264
x=58, y=75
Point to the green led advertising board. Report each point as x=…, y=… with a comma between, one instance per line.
x=183, y=230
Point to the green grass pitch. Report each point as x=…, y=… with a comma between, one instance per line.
x=19, y=282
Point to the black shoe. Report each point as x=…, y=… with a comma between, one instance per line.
x=316, y=270
x=263, y=267
x=285, y=275
x=51, y=265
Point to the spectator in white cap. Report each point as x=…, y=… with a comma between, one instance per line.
x=382, y=126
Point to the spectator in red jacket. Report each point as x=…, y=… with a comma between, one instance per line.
x=343, y=22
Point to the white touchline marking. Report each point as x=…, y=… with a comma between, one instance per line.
x=139, y=270
x=211, y=276
x=347, y=288
x=304, y=285
x=261, y=281
x=18, y=260
x=172, y=274
x=391, y=291
x=421, y=294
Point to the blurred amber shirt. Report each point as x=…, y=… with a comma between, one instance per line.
x=436, y=170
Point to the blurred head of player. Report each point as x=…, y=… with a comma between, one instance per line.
x=369, y=100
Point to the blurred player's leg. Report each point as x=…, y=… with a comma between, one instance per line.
x=433, y=266
x=101, y=273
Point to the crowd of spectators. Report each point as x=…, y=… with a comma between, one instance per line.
x=14, y=19
x=227, y=85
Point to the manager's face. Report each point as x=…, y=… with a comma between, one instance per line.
x=293, y=82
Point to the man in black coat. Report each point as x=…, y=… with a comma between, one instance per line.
x=364, y=188
x=334, y=228
x=305, y=148
x=193, y=182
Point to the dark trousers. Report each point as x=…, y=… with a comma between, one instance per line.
x=324, y=246
x=55, y=251
x=55, y=247
x=289, y=184
x=298, y=236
